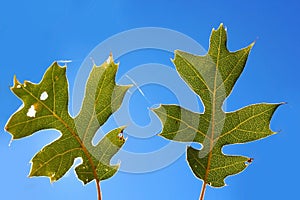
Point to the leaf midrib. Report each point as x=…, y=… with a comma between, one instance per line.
x=94, y=108
x=211, y=143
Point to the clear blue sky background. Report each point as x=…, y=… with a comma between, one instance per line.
x=35, y=33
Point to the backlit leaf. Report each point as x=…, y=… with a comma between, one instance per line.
x=212, y=77
x=45, y=106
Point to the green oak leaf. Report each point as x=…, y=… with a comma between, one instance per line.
x=45, y=106
x=212, y=77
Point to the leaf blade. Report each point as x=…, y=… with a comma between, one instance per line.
x=45, y=106
x=212, y=77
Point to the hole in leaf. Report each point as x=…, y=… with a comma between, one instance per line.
x=31, y=111
x=44, y=96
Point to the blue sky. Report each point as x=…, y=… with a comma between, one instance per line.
x=35, y=33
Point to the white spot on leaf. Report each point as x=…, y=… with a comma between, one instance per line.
x=31, y=111
x=109, y=59
x=44, y=96
x=18, y=86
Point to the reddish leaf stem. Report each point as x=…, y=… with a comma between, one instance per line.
x=202, y=191
x=98, y=189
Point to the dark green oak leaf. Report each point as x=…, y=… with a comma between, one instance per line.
x=212, y=77
x=45, y=106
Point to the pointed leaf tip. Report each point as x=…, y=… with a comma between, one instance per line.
x=16, y=83
x=222, y=27
x=110, y=59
